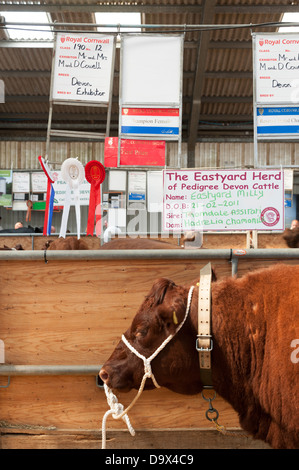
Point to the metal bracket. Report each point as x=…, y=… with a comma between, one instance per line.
x=211, y=409
x=8, y=383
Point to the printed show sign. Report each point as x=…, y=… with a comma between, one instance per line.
x=223, y=200
x=82, y=67
x=277, y=122
x=134, y=152
x=60, y=187
x=150, y=122
x=276, y=67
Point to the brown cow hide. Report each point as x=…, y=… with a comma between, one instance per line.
x=18, y=247
x=69, y=243
x=72, y=243
x=291, y=237
x=255, y=328
x=138, y=244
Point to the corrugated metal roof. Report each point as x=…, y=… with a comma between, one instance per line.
x=226, y=94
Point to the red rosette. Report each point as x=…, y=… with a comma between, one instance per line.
x=95, y=174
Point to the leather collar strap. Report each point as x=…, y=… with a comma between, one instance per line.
x=204, y=342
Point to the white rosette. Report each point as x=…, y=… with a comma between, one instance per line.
x=72, y=172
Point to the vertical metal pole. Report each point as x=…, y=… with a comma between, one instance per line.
x=255, y=143
x=50, y=101
x=179, y=161
x=120, y=97
x=111, y=89
x=49, y=130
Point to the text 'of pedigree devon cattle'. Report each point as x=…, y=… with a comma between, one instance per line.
x=255, y=356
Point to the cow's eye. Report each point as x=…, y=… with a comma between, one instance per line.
x=141, y=333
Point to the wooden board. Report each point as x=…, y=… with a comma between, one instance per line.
x=66, y=312
x=144, y=439
x=74, y=312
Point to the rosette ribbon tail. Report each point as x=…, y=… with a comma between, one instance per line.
x=49, y=197
x=65, y=213
x=92, y=207
x=78, y=212
x=95, y=175
x=66, y=210
x=98, y=211
x=72, y=172
x=29, y=208
x=49, y=209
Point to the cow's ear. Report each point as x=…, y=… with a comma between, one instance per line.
x=159, y=289
x=172, y=313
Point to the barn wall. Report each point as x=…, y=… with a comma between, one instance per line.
x=219, y=240
x=24, y=155
x=73, y=313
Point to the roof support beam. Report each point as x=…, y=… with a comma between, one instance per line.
x=202, y=51
x=129, y=7
x=204, y=99
x=187, y=75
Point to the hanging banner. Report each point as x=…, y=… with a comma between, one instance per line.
x=95, y=175
x=223, y=200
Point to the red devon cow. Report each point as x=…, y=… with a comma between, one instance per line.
x=255, y=348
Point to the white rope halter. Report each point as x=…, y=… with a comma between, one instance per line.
x=117, y=409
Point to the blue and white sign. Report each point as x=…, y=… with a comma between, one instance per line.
x=274, y=122
x=163, y=122
x=136, y=197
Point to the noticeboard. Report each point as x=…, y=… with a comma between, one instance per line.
x=82, y=67
x=276, y=65
x=151, y=69
x=225, y=200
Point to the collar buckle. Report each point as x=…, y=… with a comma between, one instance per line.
x=201, y=349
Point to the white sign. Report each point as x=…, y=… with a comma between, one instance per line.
x=151, y=69
x=150, y=122
x=20, y=182
x=60, y=190
x=82, y=67
x=39, y=182
x=223, y=200
x=277, y=122
x=288, y=180
x=276, y=67
x=136, y=190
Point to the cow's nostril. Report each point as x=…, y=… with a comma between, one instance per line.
x=103, y=375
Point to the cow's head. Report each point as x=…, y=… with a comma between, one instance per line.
x=176, y=366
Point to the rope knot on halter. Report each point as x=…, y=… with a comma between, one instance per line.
x=147, y=369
